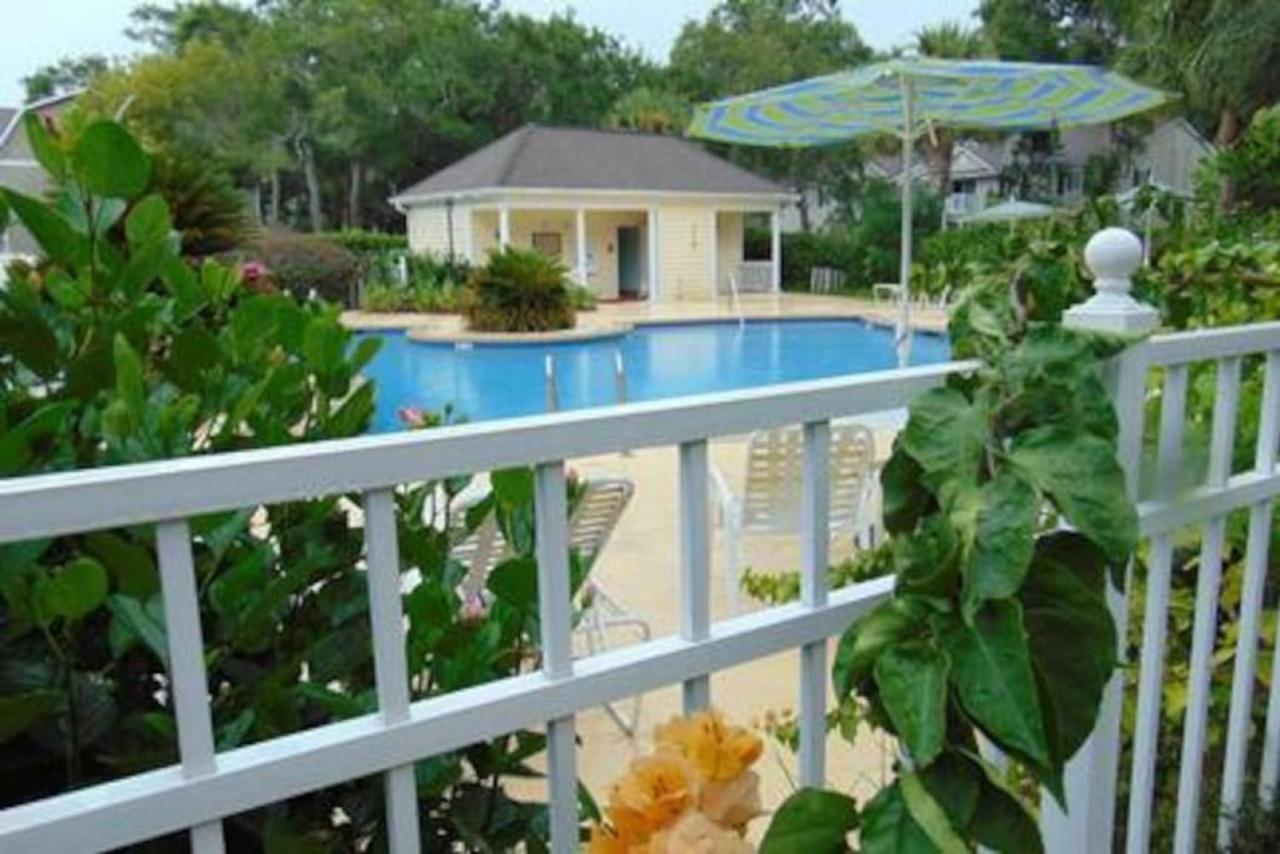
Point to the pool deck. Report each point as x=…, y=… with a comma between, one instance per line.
x=615, y=318
x=640, y=566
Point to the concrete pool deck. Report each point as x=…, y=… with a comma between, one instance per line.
x=613, y=318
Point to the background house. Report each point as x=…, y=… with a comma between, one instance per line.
x=631, y=215
x=19, y=169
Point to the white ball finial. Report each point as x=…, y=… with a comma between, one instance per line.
x=1113, y=255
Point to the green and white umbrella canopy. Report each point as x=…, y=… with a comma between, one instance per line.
x=906, y=97
x=1010, y=210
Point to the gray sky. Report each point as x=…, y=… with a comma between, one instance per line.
x=36, y=32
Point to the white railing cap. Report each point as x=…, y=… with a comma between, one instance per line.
x=1112, y=255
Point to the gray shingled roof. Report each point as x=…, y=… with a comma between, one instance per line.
x=535, y=157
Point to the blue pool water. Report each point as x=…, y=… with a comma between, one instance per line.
x=486, y=381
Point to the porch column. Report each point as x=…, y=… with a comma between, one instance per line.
x=655, y=278
x=504, y=226
x=713, y=251
x=775, y=249
x=582, y=247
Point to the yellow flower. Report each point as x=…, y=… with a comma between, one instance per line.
x=718, y=751
x=732, y=803
x=694, y=833
x=653, y=794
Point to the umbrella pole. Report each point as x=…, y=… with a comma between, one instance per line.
x=902, y=332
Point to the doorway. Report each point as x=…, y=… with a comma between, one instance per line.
x=630, y=271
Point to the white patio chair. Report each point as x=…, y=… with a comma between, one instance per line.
x=591, y=523
x=771, y=499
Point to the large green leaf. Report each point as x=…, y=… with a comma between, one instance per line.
x=929, y=815
x=1000, y=822
x=928, y=563
x=44, y=146
x=1079, y=472
x=515, y=581
x=889, y=828
x=17, y=443
x=57, y=238
x=912, y=678
x=953, y=781
x=109, y=162
x=862, y=643
x=149, y=221
x=20, y=712
x=74, y=591
x=946, y=434
x=1002, y=539
x=1072, y=640
x=992, y=675
x=144, y=623
x=811, y=821
x=906, y=498
x=131, y=564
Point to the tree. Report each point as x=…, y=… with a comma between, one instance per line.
x=68, y=74
x=1057, y=30
x=745, y=45
x=948, y=40
x=651, y=111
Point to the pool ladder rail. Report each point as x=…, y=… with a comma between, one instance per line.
x=553, y=386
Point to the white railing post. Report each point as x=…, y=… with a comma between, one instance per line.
x=1112, y=255
x=695, y=581
x=816, y=534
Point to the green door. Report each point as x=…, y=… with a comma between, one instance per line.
x=629, y=261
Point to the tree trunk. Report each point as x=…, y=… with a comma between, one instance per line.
x=802, y=206
x=273, y=204
x=1228, y=131
x=307, y=159
x=942, y=154
x=354, y=193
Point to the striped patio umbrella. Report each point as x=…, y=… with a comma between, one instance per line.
x=909, y=97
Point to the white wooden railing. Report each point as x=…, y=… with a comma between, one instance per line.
x=208, y=785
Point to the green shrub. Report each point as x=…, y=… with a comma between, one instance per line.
x=519, y=290
x=583, y=299
x=302, y=263
x=209, y=211
x=116, y=350
x=427, y=299
x=363, y=242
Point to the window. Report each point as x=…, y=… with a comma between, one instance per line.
x=548, y=243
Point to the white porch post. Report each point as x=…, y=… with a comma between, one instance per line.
x=713, y=252
x=1113, y=255
x=504, y=226
x=655, y=284
x=582, y=246
x=775, y=249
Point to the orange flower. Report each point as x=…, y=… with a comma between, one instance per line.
x=694, y=833
x=718, y=751
x=652, y=795
x=605, y=841
x=734, y=802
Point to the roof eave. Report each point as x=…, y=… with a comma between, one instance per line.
x=406, y=200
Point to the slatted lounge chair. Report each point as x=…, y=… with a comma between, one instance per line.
x=591, y=524
x=771, y=498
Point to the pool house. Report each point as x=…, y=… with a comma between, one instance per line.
x=631, y=215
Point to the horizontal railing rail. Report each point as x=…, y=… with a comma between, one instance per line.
x=208, y=786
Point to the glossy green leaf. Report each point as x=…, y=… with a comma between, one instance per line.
x=906, y=498
x=945, y=434
x=1000, y=822
x=57, y=238
x=44, y=145
x=130, y=382
x=73, y=591
x=17, y=443
x=148, y=221
x=889, y=828
x=1072, y=641
x=131, y=564
x=1002, y=539
x=863, y=642
x=513, y=487
x=811, y=821
x=1055, y=459
x=929, y=815
x=912, y=678
x=109, y=162
x=19, y=712
x=991, y=672
x=143, y=622
x=515, y=581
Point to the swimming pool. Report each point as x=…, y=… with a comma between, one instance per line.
x=487, y=381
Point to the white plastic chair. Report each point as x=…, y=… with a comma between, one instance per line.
x=591, y=524
x=771, y=499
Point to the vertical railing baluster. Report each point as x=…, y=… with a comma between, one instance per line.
x=555, y=616
x=695, y=581
x=390, y=666
x=189, y=684
x=816, y=534
x=1155, y=620
x=1255, y=577
x=1204, y=631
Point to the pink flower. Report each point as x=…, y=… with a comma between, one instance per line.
x=473, y=610
x=251, y=271
x=412, y=416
